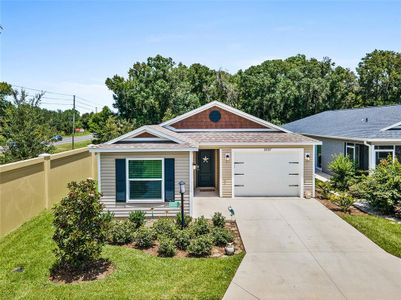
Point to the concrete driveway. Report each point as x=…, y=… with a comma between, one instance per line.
x=298, y=249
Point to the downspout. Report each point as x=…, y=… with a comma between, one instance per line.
x=370, y=156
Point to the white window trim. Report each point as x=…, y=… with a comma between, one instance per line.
x=161, y=200
x=392, y=151
x=315, y=157
x=352, y=146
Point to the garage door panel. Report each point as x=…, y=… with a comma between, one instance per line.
x=274, y=173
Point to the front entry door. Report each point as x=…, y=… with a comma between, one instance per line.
x=206, y=168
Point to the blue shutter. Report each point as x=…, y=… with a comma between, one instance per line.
x=121, y=180
x=169, y=178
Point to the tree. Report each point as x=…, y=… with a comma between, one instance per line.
x=160, y=89
x=145, y=95
x=113, y=128
x=380, y=78
x=80, y=226
x=285, y=90
x=5, y=91
x=24, y=128
x=97, y=121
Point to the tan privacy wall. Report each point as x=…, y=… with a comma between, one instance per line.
x=122, y=209
x=226, y=171
x=30, y=186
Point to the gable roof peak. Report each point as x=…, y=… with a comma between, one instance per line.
x=227, y=108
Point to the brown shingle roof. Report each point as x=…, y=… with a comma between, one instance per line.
x=246, y=137
x=139, y=146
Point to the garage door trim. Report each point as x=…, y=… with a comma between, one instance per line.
x=301, y=161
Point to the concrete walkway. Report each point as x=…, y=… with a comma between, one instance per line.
x=298, y=249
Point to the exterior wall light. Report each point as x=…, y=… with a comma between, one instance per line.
x=307, y=156
x=227, y=156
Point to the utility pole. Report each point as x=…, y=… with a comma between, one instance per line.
x=73, y=122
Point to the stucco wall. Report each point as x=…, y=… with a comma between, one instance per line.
x=30, y=186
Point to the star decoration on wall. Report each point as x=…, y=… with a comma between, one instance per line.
x=205, y=159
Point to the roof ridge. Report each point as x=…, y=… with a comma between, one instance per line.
x=359, y=108
x=174, y=134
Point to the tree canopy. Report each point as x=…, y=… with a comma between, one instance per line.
x=280, y=90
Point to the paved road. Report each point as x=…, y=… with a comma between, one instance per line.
x=298, y=249
x=67, y=140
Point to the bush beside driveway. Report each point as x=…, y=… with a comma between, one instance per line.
x=137, y=275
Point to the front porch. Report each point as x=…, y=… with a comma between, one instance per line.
x=206, y=173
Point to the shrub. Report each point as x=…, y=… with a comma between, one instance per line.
x=323, y=188
x=166, y=248
x=187, y=220
x=80, y=226
x=201, y=246
x=343, y=169
x=344, y=200
x=137, y=218
x=382, y=189
x=120, y=232
x=200, y=226
x=222, y=236
x=165, y=228
x=182, y=239
x=144, y=237
x=218, y=220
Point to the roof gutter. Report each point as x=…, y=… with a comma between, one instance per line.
x=128, y=150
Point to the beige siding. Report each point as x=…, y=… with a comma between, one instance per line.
x=226, y=179
x=226, y=173
x=108, y=184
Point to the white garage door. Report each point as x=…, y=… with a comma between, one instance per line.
x=258, y=173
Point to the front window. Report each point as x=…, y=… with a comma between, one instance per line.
x=350, y=151
x=319, y=156
x=383, y=152
x=145, y=179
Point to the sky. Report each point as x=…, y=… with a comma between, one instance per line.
x=71, y=47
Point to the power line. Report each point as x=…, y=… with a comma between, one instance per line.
x=68, y=104
x=86, y=100
x=37, y=90
x=55, y=99
x=54, y=93
x=87, y=105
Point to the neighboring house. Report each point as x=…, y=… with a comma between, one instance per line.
x=366, y=135
x=215, y=149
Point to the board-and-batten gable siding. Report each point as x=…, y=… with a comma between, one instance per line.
x=108, y=184
x=226, y=173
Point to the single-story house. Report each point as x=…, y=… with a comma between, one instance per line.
x=215, y=149
x=367, y=135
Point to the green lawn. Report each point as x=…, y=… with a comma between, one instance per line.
x=66, y=147
x=137, y=275
x=385, y=233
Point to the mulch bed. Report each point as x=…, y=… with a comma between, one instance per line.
x=216, y=251
x=98, y=270
x=336, y=209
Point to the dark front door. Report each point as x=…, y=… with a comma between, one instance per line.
x=206, y=168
